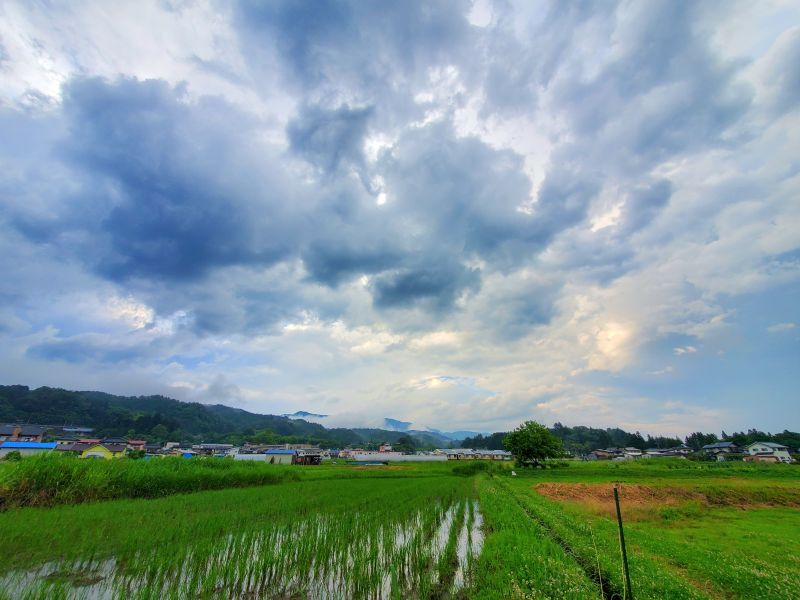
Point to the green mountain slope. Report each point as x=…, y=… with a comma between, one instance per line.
x=158, y=418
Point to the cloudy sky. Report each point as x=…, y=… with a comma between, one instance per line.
x=458, y=214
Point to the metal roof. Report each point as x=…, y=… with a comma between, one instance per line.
x=29, y=445
x=768, y=445
x=280, y=452
x=718, y=445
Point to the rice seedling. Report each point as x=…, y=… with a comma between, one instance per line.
x=324, y=539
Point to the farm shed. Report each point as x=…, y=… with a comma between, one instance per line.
x=308, y=456
x=280, y=457
x=26, y=448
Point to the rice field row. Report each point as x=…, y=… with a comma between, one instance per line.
x=388, y=539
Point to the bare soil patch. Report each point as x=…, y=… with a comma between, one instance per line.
x=641, y=500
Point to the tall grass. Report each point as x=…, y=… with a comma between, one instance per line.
x=52, y=479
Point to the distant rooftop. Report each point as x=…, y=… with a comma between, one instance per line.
x=29, y=445
x=718, y=445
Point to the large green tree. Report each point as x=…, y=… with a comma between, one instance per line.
x=531, y=443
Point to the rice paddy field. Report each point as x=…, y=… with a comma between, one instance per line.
x=693, y=530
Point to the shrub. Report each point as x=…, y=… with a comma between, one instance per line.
x=471, y=468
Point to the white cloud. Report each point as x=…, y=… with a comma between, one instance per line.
x=684, y=350
x=781, y=327
x=587, y=276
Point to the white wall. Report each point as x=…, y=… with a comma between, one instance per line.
x=259, y=457
x=23, y=451
x=396, y=457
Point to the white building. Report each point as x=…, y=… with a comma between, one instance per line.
x=769, y=449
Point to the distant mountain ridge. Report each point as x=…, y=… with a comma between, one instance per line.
x=396, y=425
x=161, y=418
x=301, y=414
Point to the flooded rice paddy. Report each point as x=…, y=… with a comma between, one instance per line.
x=348, y=555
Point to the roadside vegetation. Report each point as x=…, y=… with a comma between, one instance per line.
x=48, y=480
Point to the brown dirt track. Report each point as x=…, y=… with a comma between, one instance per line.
x=634, y=498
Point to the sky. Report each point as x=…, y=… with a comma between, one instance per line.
x=461, y=215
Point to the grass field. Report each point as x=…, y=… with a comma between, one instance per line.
x=694, y=530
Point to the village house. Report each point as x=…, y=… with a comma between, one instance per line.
x=106, y=450
x=152, y=449
x=75, y=447
x=373, y=455
x=605, y=454
x=26, y=448
x=350, y=452
x=683, y=449
x=472, y=454
x=494, y=454
x=211, y=449
x=459, y=453
x=764, y=450
x=631, y=452
x=77, y=431
x=721, y=450
x=21, y=433
x=65, y=440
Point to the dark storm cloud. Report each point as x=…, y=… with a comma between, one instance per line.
x=169, y=178
x=169, y=189
x=461, y=195
x=435, y=287
x=327, y=138
x=336, y=259
x=450, y=200
x=642, y=205
x=85, y=348
x=665, y=93
x=512, y=310
x=374, y=53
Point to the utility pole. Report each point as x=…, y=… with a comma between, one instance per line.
x=629, y=592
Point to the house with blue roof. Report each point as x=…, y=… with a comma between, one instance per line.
x=26, y=448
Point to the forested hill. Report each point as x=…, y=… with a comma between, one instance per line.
x=159, y=419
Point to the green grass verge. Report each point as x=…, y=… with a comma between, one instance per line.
x=519, y=558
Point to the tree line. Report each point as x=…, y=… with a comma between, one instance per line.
x=582, y=440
